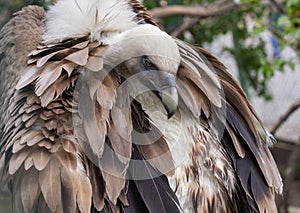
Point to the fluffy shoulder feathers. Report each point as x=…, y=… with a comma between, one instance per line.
x=78, y=18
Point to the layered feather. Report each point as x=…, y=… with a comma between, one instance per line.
x=65, y=125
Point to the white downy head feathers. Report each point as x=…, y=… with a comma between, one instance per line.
x=77, y=18
x=141, y=40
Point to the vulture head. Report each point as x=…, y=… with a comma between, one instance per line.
x=155, y=68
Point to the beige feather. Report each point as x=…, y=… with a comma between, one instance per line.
x=114, y=185
x=191, y=54
x=32, y=99
x=28, y=163
x=69, y=146
x=98, y=187
x=158, y=155
x=121, y=146
x=55, y=105
x=121, y=117
x=95, y=60
x=29, y=190
x=34, y=140
x=15, y=137
x=17, y=160
x=238, y=146
x=49, y=75
x=45, y=144
x=81, y=45
x=29, y=108
x=55, y=90
x=95, y=130
x=28, y=135
x=154, y=148
x=17, y=146
x=30, y=74
x=191, y=95
x=83, y=191
x=47, y=98
x=68, y=190
x=27, y=116
x=79, y=57
x=50, y=184
x=69, y=68
x=106, y=93
x=40, y=157
x=43, y=60
x=113, y=172
x=204, y=83
x=31, y=121
x=67, y=160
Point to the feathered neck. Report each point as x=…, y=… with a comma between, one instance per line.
x=97, y=18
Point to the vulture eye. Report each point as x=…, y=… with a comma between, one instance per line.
x=147, y=63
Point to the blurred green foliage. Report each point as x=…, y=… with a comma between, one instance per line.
x=289, y=22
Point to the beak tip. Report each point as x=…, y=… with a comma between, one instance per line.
x=169, y=99
x=170, y=116
x=170, y=112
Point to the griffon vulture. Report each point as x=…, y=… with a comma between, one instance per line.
x=102, y=111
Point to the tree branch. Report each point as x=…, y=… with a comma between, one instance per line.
x=214, y=9
x=186, y=24
x=284, y=117
x=286, y=142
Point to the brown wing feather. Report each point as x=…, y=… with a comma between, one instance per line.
x=253, y=163
x=153, y=146
x=37, y=130
x=248, y=113
x=197, y=84
x=37, y=141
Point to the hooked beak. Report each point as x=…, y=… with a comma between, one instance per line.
x=169, y=98
x=166, y=91
x=163, y=85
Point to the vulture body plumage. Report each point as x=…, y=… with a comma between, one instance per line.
x=101, y=111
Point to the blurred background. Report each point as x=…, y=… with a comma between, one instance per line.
x=258, y=40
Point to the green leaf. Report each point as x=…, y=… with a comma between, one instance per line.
x=258, y=30
x=291, y=3
x=291, y=65
x=283, y=21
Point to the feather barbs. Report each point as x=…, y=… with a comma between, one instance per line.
x=69, y=19
x=49, y=64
